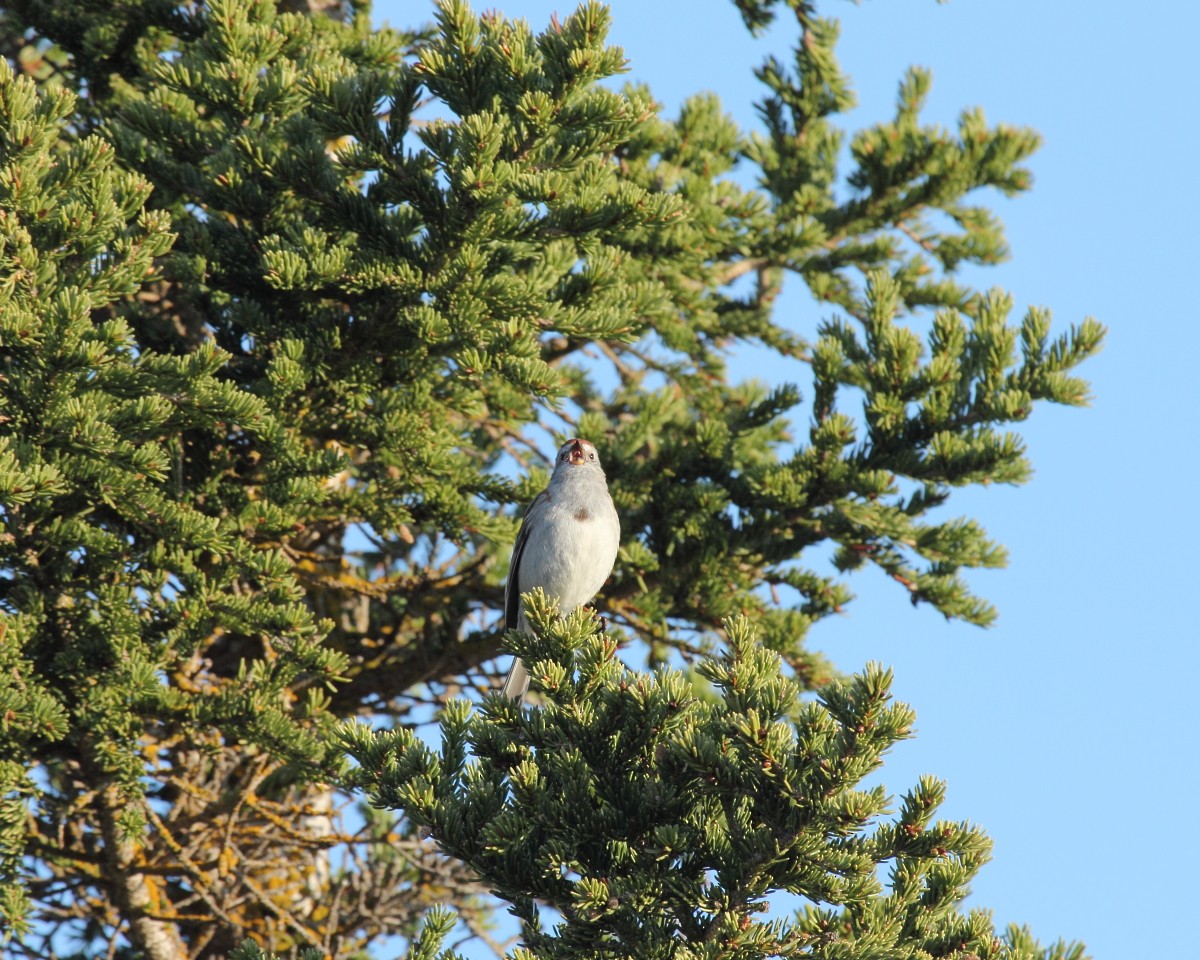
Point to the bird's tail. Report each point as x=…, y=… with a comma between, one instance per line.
x=517, y=681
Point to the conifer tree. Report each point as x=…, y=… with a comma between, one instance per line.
x=285, y=303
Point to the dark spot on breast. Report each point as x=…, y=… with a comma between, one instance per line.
x=582, y=514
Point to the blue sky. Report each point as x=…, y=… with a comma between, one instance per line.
x=1065, y=730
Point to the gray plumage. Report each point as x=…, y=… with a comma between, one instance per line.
x=566, y=545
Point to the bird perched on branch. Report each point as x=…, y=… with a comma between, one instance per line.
x=567, y=544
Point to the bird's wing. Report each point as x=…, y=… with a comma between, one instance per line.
x=512, y=588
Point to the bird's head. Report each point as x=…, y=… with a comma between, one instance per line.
x=577, y=453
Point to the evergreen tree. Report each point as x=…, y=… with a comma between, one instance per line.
x=284, y=302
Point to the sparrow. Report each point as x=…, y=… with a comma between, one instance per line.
x=566, y=545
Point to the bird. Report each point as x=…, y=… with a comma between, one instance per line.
x=567, y=544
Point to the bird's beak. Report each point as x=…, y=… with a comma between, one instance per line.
x=576, y=454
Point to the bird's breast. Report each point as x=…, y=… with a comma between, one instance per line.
x=574, y=555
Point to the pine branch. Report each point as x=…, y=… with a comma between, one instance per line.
x=275, y=345
x=131, y=890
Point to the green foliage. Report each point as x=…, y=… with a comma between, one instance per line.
x=284, y=303
x=655, y=821
x=112, y=580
